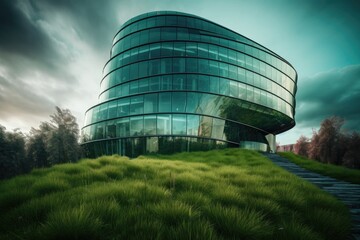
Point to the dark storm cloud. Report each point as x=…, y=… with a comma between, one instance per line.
x=327, y=94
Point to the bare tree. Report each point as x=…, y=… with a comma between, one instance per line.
x=352, y=155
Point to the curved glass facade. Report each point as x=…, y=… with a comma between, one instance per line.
x=178, y=82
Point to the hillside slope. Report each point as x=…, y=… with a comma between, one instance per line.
x=222, y=194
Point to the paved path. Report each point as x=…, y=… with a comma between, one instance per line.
x=348, y=193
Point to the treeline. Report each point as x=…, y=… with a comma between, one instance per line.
x=331, y=145
x=53, y=142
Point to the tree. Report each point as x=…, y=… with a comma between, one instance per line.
x=63, y=143
x=302, y=146
x=55, y=141
x=352, y=156
x=12, y=153
x=36, y=150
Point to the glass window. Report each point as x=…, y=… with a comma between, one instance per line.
x=168, y=33
x=143, y=85
x=134, y=54
x=143, y=53
x=192, y=102
x=164, y=124
x=233, y=72
x=123, y=127
x=178, y=65
x=110, y=129
x=134, y=87
x=191, y=65
x=154, y=84
x=166, y=65
x=241, y=74
x=179, y=82
x=205, y=126
x=166, y=82
x=204, y=83
x=214, y=84
x=214, y=67
x=250, y=93
x=234, y=89
x=150, y=125
x=191, y=49
x=179, y=49
x=151, y=103
x=224, y=69
x=137, y=126
x=154, y=34
x=203, y=66
x=134, y=71
x=137, y=105
x=179, y=124
x=164, y=102
x=167, y=49
x=217, y=128
x=182, y=34
x=99, y=132
x=178, y=101
x=223, y=54
x=213, y=52
x=103, y=112
x=143, y=69
x=171, y=20
x=242, y=91
x=125, y=74
x=144, y=36
x=191, y=82
x=240, y=59
x=154, y=50
x=224, y=86
x=154, y=67
x=203, y=50
x=192, y=124
x=112, y=109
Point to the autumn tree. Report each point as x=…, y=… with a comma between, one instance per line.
x=302, y=146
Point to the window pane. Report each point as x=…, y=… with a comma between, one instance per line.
x=179, y=82
x=204, y=83
x=164, y=102
x=123, y=107
x=123, y=127
x=205, y=126
x=137, y=105
x=163, y=124
x=192, y=124
x=218, y=128
x=112, y=109
x=166, y=82
x=178, y=101
x=136, y=126
x=154, y=84
x=150, y=125
x=179, y=124
x=192, y=102
x=151, y=103
x=191, y=82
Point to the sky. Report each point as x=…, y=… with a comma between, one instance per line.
x=52, y=52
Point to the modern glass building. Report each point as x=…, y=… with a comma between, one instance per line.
x=178, y=82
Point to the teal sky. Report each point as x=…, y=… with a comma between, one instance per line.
x=52, y=52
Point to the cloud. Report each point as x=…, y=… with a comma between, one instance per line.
x=336, y=92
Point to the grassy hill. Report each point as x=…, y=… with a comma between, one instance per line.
x=222, y=194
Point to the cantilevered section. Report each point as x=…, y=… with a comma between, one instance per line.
x=178, y=82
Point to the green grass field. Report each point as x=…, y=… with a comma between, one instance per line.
x=222, y=194
x=338, y=172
